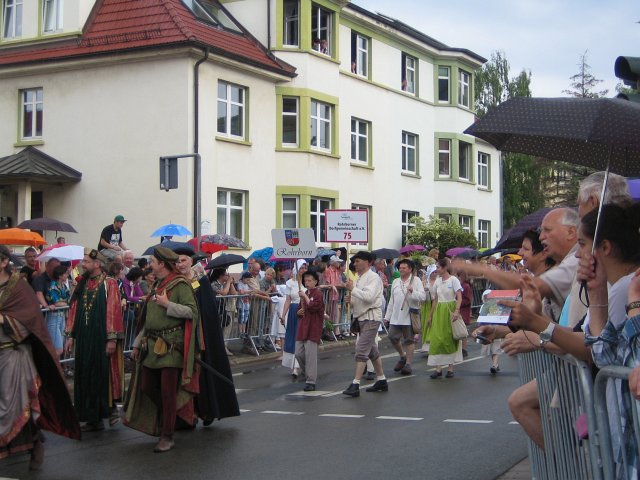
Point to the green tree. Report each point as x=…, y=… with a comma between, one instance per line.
x=440, y=234
x=583, y=83
x=522, y=176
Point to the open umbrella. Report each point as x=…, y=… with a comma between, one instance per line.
x=63, y=252
x=386, y=253
x=224, y=239
x=49, y=224
x=465, y=252
x=512, y=238
x=411, y=248
x=171, y=230
x=634, y=188
x=225, y=260
x=170, y=244
x=18, y=236
x=207, y=247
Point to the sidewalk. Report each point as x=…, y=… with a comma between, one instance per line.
x=520, y=471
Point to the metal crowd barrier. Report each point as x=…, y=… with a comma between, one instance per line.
x=565, y=391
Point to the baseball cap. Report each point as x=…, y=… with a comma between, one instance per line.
x=119, y=218
x=335, y=259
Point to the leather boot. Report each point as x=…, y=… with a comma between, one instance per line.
x=353, y=390
x=165, y=444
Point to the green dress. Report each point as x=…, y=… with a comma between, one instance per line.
x=444, y=350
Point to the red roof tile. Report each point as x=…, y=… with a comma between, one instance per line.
x=123, y=25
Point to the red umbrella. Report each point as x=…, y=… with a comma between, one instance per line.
x=207, y=247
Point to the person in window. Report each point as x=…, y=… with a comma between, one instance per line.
x=316, y=44
x=324, y=46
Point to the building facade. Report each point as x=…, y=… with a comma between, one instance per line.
x=294, y=107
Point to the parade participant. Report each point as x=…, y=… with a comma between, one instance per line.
x=33, y=393
x=217, y=398
x=407, y=293
x=111, y=243
x=310, y=328
x=166, y=376
x=95, y=323
x=289, y=316
x=366, y=302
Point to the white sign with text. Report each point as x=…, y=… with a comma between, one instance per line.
x=347, y=226
x=293, y=243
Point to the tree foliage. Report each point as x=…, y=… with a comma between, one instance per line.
x=583, y=83
x=440, y=234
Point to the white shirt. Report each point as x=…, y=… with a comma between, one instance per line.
x=367, y=295
x=446, y=289
x=398, y=308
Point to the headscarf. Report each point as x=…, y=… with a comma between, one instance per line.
x=299, y=263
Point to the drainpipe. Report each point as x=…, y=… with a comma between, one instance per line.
x=269, y=25
x=197, y=181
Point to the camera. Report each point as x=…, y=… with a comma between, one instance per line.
x=482, y=339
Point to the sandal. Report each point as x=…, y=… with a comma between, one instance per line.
x=449, y=374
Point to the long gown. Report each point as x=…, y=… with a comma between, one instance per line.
x=443, y=349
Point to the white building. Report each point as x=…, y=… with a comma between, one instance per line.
x=93, y=93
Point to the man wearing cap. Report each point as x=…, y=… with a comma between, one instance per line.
x=111, y=238
x=166, y=376
x=366, y=303
x=333, y=280
x=95, y=323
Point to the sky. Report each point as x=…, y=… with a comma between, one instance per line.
x=546, y=37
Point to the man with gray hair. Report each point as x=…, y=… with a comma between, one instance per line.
x=617, y=192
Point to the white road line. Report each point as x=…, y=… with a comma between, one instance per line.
x=340, y=415
x=414, y=419
x=240, y=390
x=244, y=410
x=281, y=412
x=454, y=420
x=514, y=423
x=237, y=374
x=315, y=393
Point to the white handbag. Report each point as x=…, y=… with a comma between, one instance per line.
x=459, y=329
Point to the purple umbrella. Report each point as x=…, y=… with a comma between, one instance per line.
x=634, y=188
x=411, y=248
x=467, y=252
x=512, y=238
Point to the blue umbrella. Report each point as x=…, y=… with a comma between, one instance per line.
x=171, y=230
x=264, y=253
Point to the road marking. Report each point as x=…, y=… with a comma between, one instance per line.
x=340, y=415
x=454, y=420
x=282, y=412
x=237, y=374
x=514, y=423
x=415, y=419
x=240, y=390
x=315, y=393
x=244, y=410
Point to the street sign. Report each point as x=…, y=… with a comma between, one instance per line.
x=347, y=226
x=168, y=173
x=293, y=243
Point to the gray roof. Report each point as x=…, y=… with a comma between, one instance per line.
x=33, y=164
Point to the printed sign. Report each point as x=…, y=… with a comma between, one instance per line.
x=293, y=243
x=347, y=226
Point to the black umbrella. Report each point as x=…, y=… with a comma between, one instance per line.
x=224, y=239
x=512, y=238
x=49, y=224
x=171, y=245
x=386, y=253
x=225, y=260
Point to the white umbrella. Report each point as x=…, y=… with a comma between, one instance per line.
x=64, y=253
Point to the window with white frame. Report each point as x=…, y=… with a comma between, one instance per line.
x=359, y=140
x=444, y=158
x=356, y=206
x=483, y=169
x=231, y=108
x=359, y=54
x=291, y=23
x=465, y=222
x=484, y=227
x=464, y=161
x=409, y=65
x=290, y=212
x=410, y=153
x=320, y=125
x=464, y=96
x=31, y=113
x=407, y=222
x=443, y=84
x=12, y=19
x=318, y=207
x=231, y=212
x=290, y=121
x=52, y=15
x=321, y=29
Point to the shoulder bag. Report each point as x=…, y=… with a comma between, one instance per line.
x=459, y=329
x=414, y=313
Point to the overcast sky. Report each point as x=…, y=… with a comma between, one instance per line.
x=546, y=37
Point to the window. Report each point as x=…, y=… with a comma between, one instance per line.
x=320, y=125
x=444, y=158
x=409, y=153
x=32, y=107
x=290, y=212
x=211, y=12
x=52, y=14
x=359, y=54
x=407, y=222
x=356, y=206
x=318, y=206
x=231, y=110
x=464, y=161
x=409, y=65
x=12, y=15
x=443, y=84
x=465, y=222
x=483, y=169
x=321, y=29
x=291, y=22
x=290, y=121
x=484, y=227
x=231, y=213
x=463, y=88
x=359, y=140
x=447, y=217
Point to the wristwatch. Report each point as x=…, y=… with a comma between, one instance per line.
x=631, y=306
x=546, y=334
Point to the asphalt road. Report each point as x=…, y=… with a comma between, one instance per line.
x=421, y=428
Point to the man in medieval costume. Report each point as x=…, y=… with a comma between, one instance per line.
x=33, y=393
x=95, y=326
